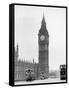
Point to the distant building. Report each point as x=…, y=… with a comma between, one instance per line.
x=21, y=66
x=54, y=74
x=42, y=67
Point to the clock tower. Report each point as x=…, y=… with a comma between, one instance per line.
x=43, y=43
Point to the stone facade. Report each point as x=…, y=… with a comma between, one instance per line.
x=21, y=66
x=42, y=67
x=43, y=42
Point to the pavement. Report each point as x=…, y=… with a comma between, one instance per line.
x=49, y=80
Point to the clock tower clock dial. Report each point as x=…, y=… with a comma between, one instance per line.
x=42, y=37
x=43, y=42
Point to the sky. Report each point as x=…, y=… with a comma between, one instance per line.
x=27, y=25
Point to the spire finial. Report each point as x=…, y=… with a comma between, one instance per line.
x=43, y=14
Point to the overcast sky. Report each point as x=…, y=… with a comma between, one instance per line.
x=27, y=25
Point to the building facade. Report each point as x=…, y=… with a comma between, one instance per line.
x=21, y=66
x=43, y=42
x=42, y=67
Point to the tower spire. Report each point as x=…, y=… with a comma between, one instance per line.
x=43, y=15
x=17, y=50
x=33, y=60
x=43, y=20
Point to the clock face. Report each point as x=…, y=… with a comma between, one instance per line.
x=42, y=37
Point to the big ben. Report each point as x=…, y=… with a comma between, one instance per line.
x=43, y=43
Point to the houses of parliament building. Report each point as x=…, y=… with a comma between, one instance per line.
x=42, y=67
